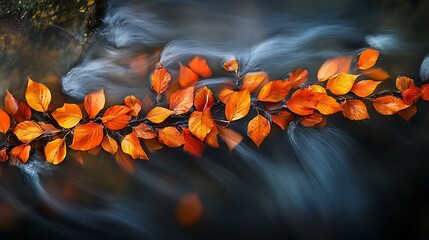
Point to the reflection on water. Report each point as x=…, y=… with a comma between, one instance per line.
x=349, y=180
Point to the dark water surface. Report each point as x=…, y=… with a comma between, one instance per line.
x=350, y=180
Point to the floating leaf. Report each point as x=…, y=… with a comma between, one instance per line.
x=160, y=79
x=182, y=100
x=258, y=129
x=298, y=77
x=109, y=144
x=333, y=66
x=158, y=114
x=252, y=80
x=4, y=121
x=27, y=131
x=403, y=83
x=55, y=151
x=11, y=105
x=312, y=120
x=328, y=105
x=68, y=115
x=368, y=58
x=193, y=145
x=274, y=91
x=187, y=77
x=408, y=113
x=238, y=105
x=116, y=117
x=376, y=74
x=230, y=137
x=94, y=103
x=341, y=84
x=354, y=109
x=48, y=128
x=170, y=136
x=364, y=88
x=130, y=144
x=204, y=99
x=38, y=96
x=283, y=119
x=200, y=67
x=144, y=131
x=24, y=112
x=389, y=105
x=411, y=94
x=304, y=101
x=134, y=104
x=21, y=152
x=231, y=65
x=201, y=123
x=225, y=94
x=87, y=136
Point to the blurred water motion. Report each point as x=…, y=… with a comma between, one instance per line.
x=351, y=180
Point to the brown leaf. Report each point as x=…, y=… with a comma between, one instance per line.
x=68, y=116
x=130, y=144
x=116, y=117
x=258, y=129
x=368, y=58
x=204, y=99
x=334, y=66
x=408, y=113
x=200, y=67
x=376, y=74
x=304, y=101
x=251, y=81
x=298, y=77
x=134, y=104
x=48, y=128
x=231, y=65
x=160, y=79
x=27, y=131
x=282, y=119
x=328, y=105
x=201, y=123
x=94, y=103
x=238, y=105
x=158, y=114
x=109, y=144
x=312, y=120
x=55, y=151
x=274, y=91
x=389, y=105
x=193, y=145
x=341, y=84
x=11, y=105
x=21, y=152
x=364, y=88
x=144, y=131
x=38, y=96
x=4, y=121
x=187, y=77
x=354, y=109
x=87, y=136
x=230, y=137
x=182, y=100
x=170, y=136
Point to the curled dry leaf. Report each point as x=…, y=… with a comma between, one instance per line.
x=109, y=144
x=403, y=83
x=201, y=123
x=282, y=119
x=134, y=104
x=116, y=117
x=354, y=109
x=376, y=74
x=333, y=66
x=238, y=105
x=341, y=84
x=193, y=145
x=365, y=87
x=408, y=113
x=38, y=96
x=230, y=137
x=160, y=79
x=55, y=151
x=4, y=121
x=87, y=136
x=200, y=67
x=144, y=131
x=304, y=101
x=251, y=81
x=170, y=136
x=328, y=105
x=11, y=105
x=204, y=99
x=258, y=129
x=368, y=58
x=411, y=94
x=27, y=131
x=158, y=114
x=274, y=91
x=312, y=120
x=130, y=144
x=231, y=65
x=389, y=105
x=187, y=77
x=21, y=152
x=182, y=100
x=94, y=103
x=68, y=115
x=298, y=77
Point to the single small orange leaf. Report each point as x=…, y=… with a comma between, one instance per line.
x=304, y=101
x=87, y=136
x=68, y=115
x=201, y=123
x=170, y=136
x=24, y=112
x=328, y=105
x=144, y=131
x=182, y=100
x=211, y=138
x=274, y=91
x=317, y=89
x=200, y=67
x=48, y=128
x=389, y=105
x=187, y=77
x=116, y=117
x=411, y=94
x=160, y=79
x=298, y=77
x=368, y=58
x=341, y=84
x=425, y=92
x=376, y=74
x=21, y=152
x=130, y=144
x=225, y=94
x=238, y=105
x=230, y=137
x=403, y=83
x=354, y=109
x=251, y=81
x=193, y=145
x=408, y=113
x=134, y=104
x=312, y=120
x=333, y=66
x=231, y=65
x=109, y=144
x=94, y=103
x=283, y=119
x=203, y=99
x=11, y=105
x=27, y=131
x=258, y=129
x=4, y=121
x=158, y=114
x=55, y=151
x=364, y=88
x=38, y=96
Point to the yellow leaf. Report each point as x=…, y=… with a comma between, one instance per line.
x=109, y=144
x=55, y=151
x=130, y=144
x=317, y=89
x=170, y=136
x=364, y=88
x=27, y=131
x=38, y=96
x=258, y=129
x=341, y=84
x=225, y=94
x=368, y=58
x=68, y=115
x=158, y=114
x=201, y=123
x=238, y=105
x=274, y=91
x=94, y=103
x=87, y=136
x=354, y=109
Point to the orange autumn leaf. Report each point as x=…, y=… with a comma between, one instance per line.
x=27, y=131
x=4, y=121
x=425, y=92
x=38, y=96
x=333, y=66
x=187, y=77
x=298, y=77
x=55, y=151
x=231, y=65
x=238, y=105
x=170, y=136
x=68, y=115
x=389, y=105
x=3, y=155
x=160, y=79
x=87, y=136
x=258, y=129
x=109, y=144
x=230, y=137
x=144, y=131
x=201, y=123
x=189, y=209
x=158, y=114
x=251, y=81
x=364, y=88
x=11, y=105
x=48, y=128
x=328, y=105
x=94, y=103
x=200, y=67
x=131, y=145
x=24, y=112
x=408, y=113
x=116, y=117
x=193, y=145
x=204, y=99
x=403, y=83
x=274, y=91
x=312, y=120
x=283, y=119
x=134, y=104
x=303, y=102
x=354, y=109
x=317, y=89
x=182, y=100
x=21, y=152
x=211, y=138
x=411, y=94
x=368, y=58
x=225, y=94
x=376, y=74
x=341, y=84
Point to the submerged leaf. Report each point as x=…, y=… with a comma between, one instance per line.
x=333, y=66
x=193, y=145
x=230, y=137
x=251, y=81
x=298, y=77
x=187, y=77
